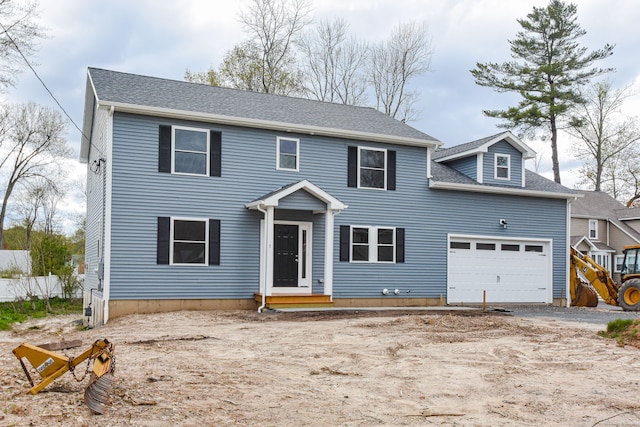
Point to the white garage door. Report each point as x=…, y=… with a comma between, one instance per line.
x=516, y=271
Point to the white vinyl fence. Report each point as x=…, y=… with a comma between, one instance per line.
x=26, y=286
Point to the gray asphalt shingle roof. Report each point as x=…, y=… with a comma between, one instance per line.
x=533, y=181
x=600, y=205
x=133, y=89
x=444, y=152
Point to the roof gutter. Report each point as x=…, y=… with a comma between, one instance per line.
x=271, y=125
x=500, y=190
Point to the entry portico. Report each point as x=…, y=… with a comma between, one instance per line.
x=286, y=256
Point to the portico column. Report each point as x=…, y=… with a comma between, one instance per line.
x=269, y=251
x=328, y=252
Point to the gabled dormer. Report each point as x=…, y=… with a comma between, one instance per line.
x=494, y=160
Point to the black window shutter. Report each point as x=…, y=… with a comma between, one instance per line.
x=352, y=166
x=164, y=238
x=215, y=156
x=399, y=245
x=214, y=242
x=345, y=238
x=164, y=149
x=391, y=170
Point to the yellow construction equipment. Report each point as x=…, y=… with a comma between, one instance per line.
x=50, y=365
x=625, y=294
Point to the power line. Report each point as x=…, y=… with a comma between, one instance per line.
x=35, y=73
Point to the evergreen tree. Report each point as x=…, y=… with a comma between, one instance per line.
x=547, y=69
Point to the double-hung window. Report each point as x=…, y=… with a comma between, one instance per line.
x=288, y=154
x=189, y=241
x=190, y=151
x=373, y=244
x=593, y=229
x=372, y=168
x=502, y=166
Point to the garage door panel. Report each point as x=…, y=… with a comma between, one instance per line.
x=515, y=271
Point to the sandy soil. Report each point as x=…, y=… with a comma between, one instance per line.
x=366, y=369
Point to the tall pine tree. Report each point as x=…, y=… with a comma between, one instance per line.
x=547, y=69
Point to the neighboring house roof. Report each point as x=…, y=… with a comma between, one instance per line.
x=482, y=146
x=600, y=205
x=173, y=98
x=536, y=185
x=628, y=214
x=593, y=245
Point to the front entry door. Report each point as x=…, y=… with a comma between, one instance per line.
x=292, y=257
x=285, y=259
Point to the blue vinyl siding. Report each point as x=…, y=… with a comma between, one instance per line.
x=503, y=147
x=96, y=201
x=467, y=166
x=141, y=194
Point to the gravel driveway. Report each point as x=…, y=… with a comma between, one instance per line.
x=602, y=314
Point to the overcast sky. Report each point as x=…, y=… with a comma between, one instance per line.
x=163, y=38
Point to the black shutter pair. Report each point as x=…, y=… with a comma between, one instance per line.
x=164, y=151
x=164, y=240
x=345, y=239
x=352, y=168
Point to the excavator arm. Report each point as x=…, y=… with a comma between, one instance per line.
x=596, y=275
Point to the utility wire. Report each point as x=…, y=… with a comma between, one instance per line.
x=47, y=89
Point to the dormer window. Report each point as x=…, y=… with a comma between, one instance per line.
x=502, y=166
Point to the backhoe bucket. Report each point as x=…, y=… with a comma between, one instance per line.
x=586, y=296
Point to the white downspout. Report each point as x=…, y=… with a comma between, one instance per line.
x=263, y=286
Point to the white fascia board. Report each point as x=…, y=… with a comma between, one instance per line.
x=624, y=231
x=498, y=190
x=270, y=125
x=90, y=101
x=317, y=192
x=585, y=239
x=527, y=152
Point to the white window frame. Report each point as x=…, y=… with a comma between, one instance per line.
x=372, y=244
x=386, y=167
x=496, y=167
x=173, y=150
x=206, y=240
x=282, y=168
x=617, y=266
x=601, y=258
x=593, y=226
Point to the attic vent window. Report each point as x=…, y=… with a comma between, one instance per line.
x=502, y=166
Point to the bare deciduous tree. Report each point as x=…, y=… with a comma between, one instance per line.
x=17, y=28
x=334, y=68
x=273, y=24
x=604, y=134
x=394, y=63
x=32, y=143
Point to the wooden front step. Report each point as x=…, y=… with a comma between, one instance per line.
x=296, y=301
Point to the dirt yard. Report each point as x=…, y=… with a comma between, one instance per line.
x=345, y=369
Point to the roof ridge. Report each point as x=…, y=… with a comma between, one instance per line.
x=225, y=88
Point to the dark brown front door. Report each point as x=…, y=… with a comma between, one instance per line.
x=285, y=260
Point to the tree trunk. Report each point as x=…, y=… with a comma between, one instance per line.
x=554, y=150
